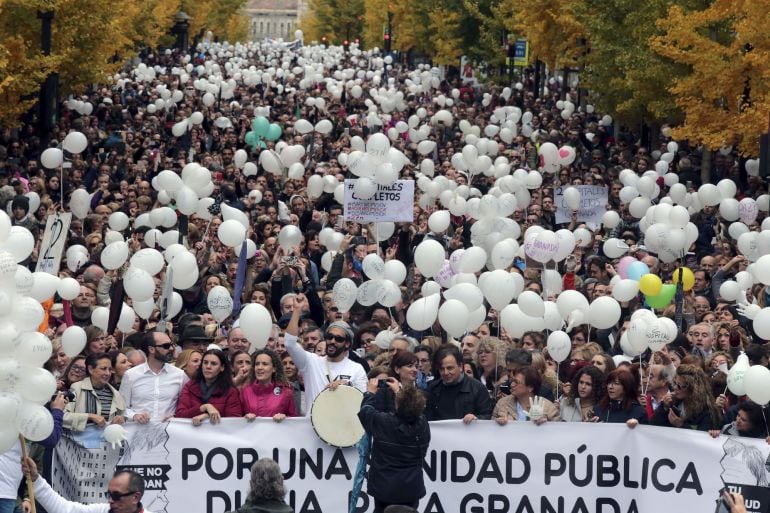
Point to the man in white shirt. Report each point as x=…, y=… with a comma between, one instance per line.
x=321, y=372
x=124, y=494
x=151, y=389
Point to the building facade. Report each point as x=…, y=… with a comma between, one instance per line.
x=274, y=19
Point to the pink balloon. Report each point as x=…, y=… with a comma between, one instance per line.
x=623, y=266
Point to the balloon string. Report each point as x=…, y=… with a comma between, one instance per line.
x=767, y=430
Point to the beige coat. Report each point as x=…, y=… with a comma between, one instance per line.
x=86, y=401
x=506, y=407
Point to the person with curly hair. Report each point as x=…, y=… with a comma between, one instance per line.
x=586, y=391
x=691, y=404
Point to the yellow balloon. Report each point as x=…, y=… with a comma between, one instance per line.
x=650, y=285
x=688, y=278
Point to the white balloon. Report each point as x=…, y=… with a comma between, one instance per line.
x=559, y=346
x=570, y=301
x=100, y=317
x=138, y=284
x=572, y=198
x=33, y=348
x=422, y=313
x=75, y=142
x=44, y=286
x=69, y=288
x=220, y=303
x=257, y=325
x=232, y=233
x=127, y=318
x=604, y=312
x=756, y=381
x=736, y=374
x=429, y=257
x=149, y=259
x=344, y=294
x=19, y=243
x=34, y=421
x=52, y=158
x=289, y=237
x=453, y=317
x=531, y=304
x=114, y=255
x=438, y=222
x=625, y=290
x=184, y=269
x=395, y=271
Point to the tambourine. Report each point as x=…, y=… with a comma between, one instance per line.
x=334, y=415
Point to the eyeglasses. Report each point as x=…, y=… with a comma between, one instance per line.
x=78, y=369
x=167, y=345
x=116, y=496
x=337, y=338
x=423, y=360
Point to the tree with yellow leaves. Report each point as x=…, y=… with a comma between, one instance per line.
x=334, y=20
x=551, y=27
x=726, y=95
x=224, y=18
x=20, y=79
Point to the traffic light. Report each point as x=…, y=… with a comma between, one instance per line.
x=386, y=38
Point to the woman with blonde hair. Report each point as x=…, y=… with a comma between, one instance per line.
x=189, y=360
x=490, y=356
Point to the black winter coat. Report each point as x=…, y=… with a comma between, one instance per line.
x=399, y=447
x=458, y=399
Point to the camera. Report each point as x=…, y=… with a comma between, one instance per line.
x=505, y=387
x=290, y=261
x=382, y=383
x=69, y=395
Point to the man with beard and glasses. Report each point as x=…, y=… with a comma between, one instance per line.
x=151, y=389
x=124, y=494
x=321, y=372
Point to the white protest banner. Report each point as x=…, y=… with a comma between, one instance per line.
x=56, y=228
x=390, y=203
x=593, y=204
x=517, y=468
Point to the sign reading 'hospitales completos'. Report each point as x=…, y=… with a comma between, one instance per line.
x=392, y=202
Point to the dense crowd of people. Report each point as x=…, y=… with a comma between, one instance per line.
x=201, y=369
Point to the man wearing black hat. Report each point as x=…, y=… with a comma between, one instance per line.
x=21, y=215
x=194, y=337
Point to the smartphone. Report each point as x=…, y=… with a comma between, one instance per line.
x=361, y=352
x=290, y=261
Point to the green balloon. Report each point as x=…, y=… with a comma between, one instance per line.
x=260, y=126
x=664, y=297
x=251, y=138
x=273, y=132
x=261, y=144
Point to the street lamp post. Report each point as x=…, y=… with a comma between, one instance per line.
x=50, y=86
x=180, y=30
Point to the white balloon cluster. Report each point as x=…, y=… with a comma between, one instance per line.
x=24, y=385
